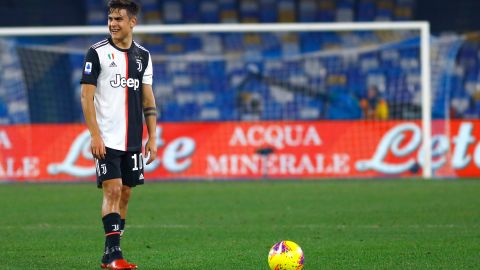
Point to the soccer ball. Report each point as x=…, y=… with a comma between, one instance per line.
x=285, y=255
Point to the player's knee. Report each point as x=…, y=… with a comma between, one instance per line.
x=113, y=192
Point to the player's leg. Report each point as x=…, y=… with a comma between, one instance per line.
x=112, y=220
x=112, y=192
x=132, y=175
x=126, y=191
x=109, y=179
x=131, y=167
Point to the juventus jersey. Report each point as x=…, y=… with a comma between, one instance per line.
x=118, y=75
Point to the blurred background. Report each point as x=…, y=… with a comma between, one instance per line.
x=257, y=106
x=255, y=77
x=461, y=13
x=215, y=97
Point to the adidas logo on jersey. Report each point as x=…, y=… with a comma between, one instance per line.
x=113, y=64
x=141, y=177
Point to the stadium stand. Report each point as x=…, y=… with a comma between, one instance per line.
x=252, y=11
x=226, y=88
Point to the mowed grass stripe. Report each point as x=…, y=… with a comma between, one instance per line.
x=364, y=224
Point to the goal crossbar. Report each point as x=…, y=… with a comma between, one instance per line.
x=216, y=28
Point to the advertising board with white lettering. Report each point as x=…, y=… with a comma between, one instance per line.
x=253, y=150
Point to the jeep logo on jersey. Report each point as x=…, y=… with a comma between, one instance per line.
x=122, y=82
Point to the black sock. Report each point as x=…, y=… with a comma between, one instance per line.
x=111, y=224
x=105, y=253
x=122, y=226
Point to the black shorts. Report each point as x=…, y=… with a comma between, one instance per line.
x=120, y=164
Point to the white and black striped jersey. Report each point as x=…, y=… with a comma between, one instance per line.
x=118, y=75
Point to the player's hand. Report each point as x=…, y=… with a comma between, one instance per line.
x=98, y=147
x=151, y=150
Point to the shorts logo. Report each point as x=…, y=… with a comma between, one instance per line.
x=88, y=68
x=104, y=168
x=139, y=65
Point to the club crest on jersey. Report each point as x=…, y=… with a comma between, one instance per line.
x=104, y=168
x=122, y=82
x=139, y=65
x=88, y=68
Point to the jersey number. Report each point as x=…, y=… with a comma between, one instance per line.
x=137, y=162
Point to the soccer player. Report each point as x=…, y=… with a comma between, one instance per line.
x=116, y=89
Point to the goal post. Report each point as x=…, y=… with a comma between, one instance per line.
x=423, y=28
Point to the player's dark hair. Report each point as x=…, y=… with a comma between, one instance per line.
x=132, y=7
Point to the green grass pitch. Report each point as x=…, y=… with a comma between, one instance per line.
x=345, y=224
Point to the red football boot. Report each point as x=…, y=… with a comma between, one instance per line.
x=105, y=266
x=121, y=264
x=132, y=266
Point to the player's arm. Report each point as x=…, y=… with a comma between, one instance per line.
x=88, y=107
x=150, y=114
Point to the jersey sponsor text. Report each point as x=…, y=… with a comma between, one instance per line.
x=122, y=82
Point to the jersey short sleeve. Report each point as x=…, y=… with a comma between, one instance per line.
x=148, y=75
x=91, y=68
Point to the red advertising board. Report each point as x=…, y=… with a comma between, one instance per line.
x=239, y=150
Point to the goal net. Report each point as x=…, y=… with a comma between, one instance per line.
x=271, y=100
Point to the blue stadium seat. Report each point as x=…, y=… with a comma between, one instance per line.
x=172, y=12
x=268, y=11
x=307, y=11
x=366, y=10
x=97, y=12
x=4, y=115
x=209, y=11
x=190, y=10
x=326, y=11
